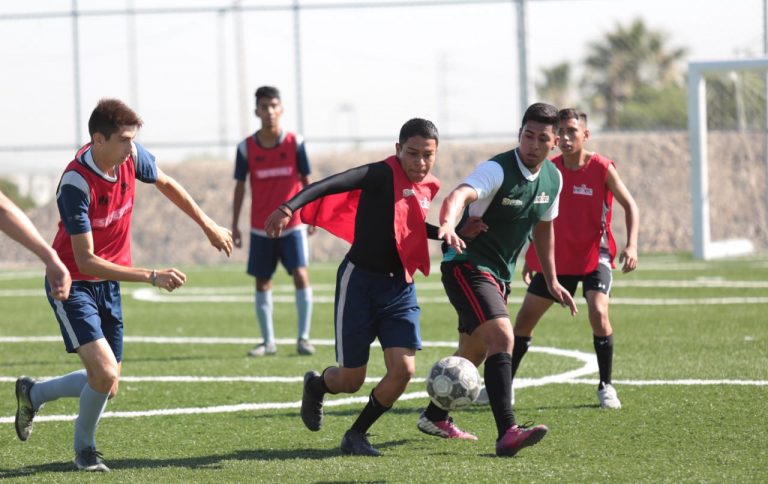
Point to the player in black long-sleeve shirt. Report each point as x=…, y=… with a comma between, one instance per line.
x=373, y=248
x=375, y=295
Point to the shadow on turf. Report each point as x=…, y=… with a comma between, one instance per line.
x=208, y=358
x=204, y=462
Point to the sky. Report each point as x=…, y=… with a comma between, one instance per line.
x=364, y=71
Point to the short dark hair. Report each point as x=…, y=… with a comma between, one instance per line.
x=268, y=92
x=542, y=113
x=571, y=113
x=109, y=114
x=418, y=127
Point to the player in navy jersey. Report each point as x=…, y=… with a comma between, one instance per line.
x=275, y=164
x=380, y=208
x=95, y=198
x=17, y=226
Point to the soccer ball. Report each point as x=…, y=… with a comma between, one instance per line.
x=453, y=383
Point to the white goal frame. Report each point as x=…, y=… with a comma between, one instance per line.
x=703, y=246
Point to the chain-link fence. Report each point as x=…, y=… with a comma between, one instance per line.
x=352, y=72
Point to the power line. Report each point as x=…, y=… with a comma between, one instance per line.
x=262, y=8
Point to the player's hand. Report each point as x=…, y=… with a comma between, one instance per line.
x=562, y=296
x=447, y=233
x=276, y=222
x=58, y=278
x=237, y=240
x=220, y=237
x=473, y=227
x=527, y=274
x=629, y=258
x=170, y=279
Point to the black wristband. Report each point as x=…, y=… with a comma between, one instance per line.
x=283, y=208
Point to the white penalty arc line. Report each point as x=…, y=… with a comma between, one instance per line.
x=588, y=367
x=570, y=377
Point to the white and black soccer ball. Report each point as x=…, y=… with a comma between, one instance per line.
x=453, y=383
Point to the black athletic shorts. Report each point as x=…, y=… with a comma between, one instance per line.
x=476, y=295
x=598, y=280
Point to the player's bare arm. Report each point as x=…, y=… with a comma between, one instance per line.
x=450, y=212
x=220, y=237
x=237, y=204
x=91, y=264
x=628, y=256
x=544, y=242
x=18, y=227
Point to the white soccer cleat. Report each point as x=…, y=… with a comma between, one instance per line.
x=482, y=397
x=608, y=397
x=264, y=349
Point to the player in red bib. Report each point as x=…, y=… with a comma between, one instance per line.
x=381, y=209
x=275, y=164
x=95, y=198
x=584, y=246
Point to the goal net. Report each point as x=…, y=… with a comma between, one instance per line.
x=729, y=166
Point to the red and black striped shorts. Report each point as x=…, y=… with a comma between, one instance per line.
x=476, y=295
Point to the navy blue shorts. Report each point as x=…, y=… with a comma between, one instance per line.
x=291, y=249
x=372, y=305
x=598, y=280
x=93, y=311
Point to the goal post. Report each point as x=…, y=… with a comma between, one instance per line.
x=703, y=245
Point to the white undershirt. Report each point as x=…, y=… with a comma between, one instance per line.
x=487, y=178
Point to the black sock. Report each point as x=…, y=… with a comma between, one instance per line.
x=522, y=343
x=435, y=413
x=372, y=411
x=498, y=383
x=604, y=352
x=317, y=384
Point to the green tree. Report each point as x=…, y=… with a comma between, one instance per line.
x=556, y=86
x=736, y=100
x=662, y=107
x=12, y=191
x=626, y=60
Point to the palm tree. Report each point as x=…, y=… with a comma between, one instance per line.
x=626, y=59
x=556, y=85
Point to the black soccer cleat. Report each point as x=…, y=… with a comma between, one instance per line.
x=355, y=443
x=90, y=460
x=311, y=404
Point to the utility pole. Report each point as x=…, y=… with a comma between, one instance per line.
x=765, y=104
x=522, y=53
x=76, y=73
x=242, y=97
x=297, y=54
x=222, y=79
x=133, y=59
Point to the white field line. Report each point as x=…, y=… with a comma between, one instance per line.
x=589, y=366
x=148, y=295
x=151, y=295
x=183, y=340
x=284, y=292
x=656, y=264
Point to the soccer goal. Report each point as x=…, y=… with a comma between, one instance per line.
x=727, y=109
